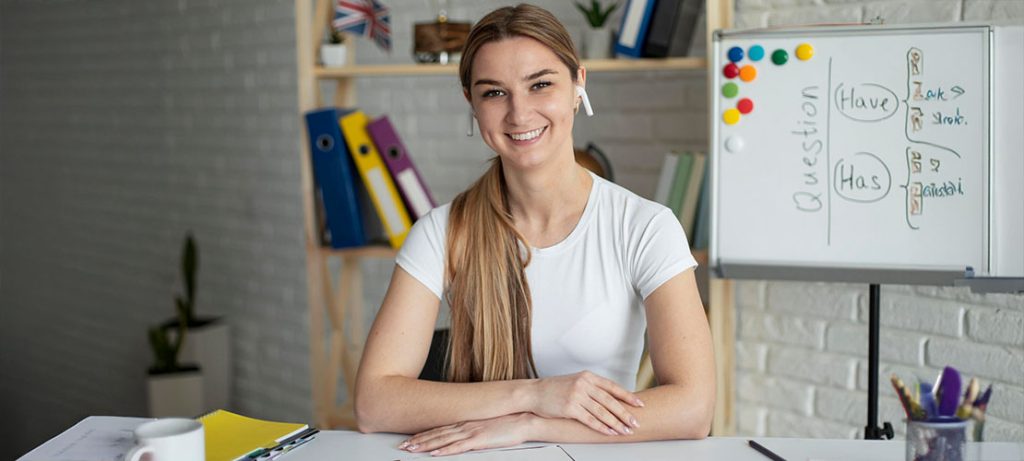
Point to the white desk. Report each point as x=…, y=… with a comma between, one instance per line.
x=345, y=445
x=112, y=437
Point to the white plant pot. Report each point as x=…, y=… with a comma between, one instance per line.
x=597, y=43
x=209, y=346
x=333, y=55
x=176, y=394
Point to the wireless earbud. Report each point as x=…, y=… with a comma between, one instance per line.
x=586, y=101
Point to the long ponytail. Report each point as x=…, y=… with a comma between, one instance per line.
x=487, y=288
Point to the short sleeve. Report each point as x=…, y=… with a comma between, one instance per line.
x=422, y=255
x=661, y=253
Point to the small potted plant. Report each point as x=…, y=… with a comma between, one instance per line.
x=174, y=389
x=333, y=53
x=209, y=340
x=597, y=39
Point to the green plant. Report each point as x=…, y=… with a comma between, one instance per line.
x=166, y=348
x=336, y=37
x=595, y=16
x=189, y=267
x=164, y=343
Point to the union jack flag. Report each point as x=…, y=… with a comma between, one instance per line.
x=364, y=17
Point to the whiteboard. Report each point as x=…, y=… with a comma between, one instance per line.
x=868, y=159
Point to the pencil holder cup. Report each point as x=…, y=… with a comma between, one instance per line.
x=936, y=441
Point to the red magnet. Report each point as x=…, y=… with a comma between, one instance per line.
x=745, y=105
x=731, y=70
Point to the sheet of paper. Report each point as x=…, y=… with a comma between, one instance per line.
x=544, y=453
x=96, y=438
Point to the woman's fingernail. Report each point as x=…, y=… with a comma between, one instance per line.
x=435, y=452
x=627, y=429
x=634, y=422
x=413, y=447
x=403, y=445
x=612, y=432
x=639, y=403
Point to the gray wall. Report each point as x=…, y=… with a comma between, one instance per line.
x=125, y=124
x=802, y=347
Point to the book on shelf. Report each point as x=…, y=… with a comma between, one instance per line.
x=703, y=224
x=673, y=24
x=688, y=210
x=679, y=182
x=415, y=194
x=665, y=178
x=233, y=437
x=377, y=179
x=636, y=19
x=336, y=185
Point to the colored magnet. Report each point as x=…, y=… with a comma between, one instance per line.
x=735, y=54
x=779, y=57
x=748, y=73
x=730, y=90
x=755, y=53
x=731, y=70
x=745, y=106
x=804, y=51
x=731, y=116
x=734, y=144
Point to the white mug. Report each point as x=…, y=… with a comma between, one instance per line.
x=169, y=439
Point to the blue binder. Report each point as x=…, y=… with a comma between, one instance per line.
x=335, y=178
x=633, y=29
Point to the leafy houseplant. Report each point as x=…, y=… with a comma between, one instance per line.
x=596, y=17
x=597, y=40
x=333, y=53
x=175, y=389
x=209, y=341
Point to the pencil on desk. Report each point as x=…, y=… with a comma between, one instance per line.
x=765, y=451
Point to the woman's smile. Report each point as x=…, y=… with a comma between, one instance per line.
x=525, y=138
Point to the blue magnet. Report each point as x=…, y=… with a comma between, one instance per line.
x=735, y=54
x=755, y=53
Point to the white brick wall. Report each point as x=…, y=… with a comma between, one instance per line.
x=801, y=347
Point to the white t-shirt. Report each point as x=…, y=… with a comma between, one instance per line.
x=587, y=290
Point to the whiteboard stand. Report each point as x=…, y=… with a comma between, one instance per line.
x=872, y=431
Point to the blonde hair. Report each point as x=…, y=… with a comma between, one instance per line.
x=485, y=272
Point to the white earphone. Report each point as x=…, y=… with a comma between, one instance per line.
x=582, y=93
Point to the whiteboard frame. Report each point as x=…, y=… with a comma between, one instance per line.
x=904, y=274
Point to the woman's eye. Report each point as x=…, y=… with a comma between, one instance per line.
x=492, y=93
x=539, y=85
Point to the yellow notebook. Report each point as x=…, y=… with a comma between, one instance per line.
x=230, y=436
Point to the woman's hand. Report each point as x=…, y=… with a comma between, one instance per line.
x=595, y=401
x=500, y=432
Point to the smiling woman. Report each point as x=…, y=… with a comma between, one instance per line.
x=552, y=275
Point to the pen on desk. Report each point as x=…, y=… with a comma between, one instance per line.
x=291, y=447
x=764, y=451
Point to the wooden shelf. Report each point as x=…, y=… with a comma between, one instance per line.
x=369, y=251
x=594, y=65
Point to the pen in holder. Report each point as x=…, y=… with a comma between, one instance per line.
x=937, y=417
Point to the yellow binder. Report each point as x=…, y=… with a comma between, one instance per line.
x=381, y=187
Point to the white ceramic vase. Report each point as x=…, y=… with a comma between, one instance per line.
x=333, y=55
x=176, y=394
x=209, y=346
x=597, y=43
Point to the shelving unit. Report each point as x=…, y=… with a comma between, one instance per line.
x=335, y=345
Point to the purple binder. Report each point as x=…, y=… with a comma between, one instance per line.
x=410, y=184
